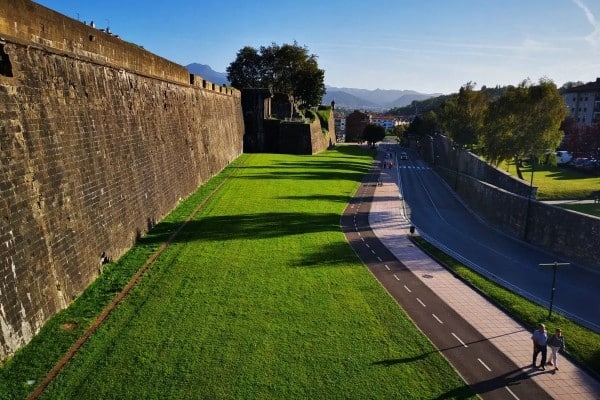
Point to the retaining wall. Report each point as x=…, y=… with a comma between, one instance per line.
x=508, y=206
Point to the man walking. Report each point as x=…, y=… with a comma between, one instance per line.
x=539, y=338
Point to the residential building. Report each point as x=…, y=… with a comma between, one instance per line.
x=355, y=125
x=340, y=123
x=584, y=103
x=387, y=121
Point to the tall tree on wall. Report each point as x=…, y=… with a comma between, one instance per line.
x=246, y=70
x=463, y=115
x=287, y=68
x=525, y=122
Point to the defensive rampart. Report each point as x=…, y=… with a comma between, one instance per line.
x=99, y=140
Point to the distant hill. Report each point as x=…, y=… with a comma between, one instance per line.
x=206, y=72
x=378, y=99
x=350, y=98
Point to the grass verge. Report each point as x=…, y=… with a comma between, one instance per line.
x=259, y=296
x=583, y=345
x=558, y=183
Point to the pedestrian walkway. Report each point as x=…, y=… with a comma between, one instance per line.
x=392, y=228
x=588, y=201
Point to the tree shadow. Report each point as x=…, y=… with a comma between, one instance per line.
x=338, y=253
x=298, y=173
x=243, y=226
x=324, y=197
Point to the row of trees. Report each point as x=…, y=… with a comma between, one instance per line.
x=525, y=121
x=287, y=69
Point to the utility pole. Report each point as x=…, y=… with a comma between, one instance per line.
x=555, y=265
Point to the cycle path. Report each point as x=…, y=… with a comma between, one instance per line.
x=387, y=221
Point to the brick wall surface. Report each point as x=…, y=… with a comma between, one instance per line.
x=91, y=156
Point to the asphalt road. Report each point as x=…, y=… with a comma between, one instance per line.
x=440, y=217
x=471, y=354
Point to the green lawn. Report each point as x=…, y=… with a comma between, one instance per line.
x=259, y=296
x=558, y=183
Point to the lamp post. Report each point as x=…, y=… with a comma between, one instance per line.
x=526, y=230
x=555, y=265
x=456, y=149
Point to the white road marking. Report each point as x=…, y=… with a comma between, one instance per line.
x=367, y=244
x=419, y=300
x=438, y=320
x=457, y=338
x=482, y=363
x=407, y=289
x=379, y=258
x=511, y=392
x=386, y=267
x=373, y=251
x=396, y=276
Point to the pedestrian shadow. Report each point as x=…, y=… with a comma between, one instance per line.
x=393, y=361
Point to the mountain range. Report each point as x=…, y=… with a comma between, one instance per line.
x=349, y=98
x=206, y=72
x=378, y=99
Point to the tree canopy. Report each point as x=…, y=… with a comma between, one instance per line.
x=525, y=122
x=463, y=115
x=287, y=68
x=373, y=133
x=513, y=122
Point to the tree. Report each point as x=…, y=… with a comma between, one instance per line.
x=463, y=115
x=524, y=123
x=373, y=133
x=247, y=69
x=399, y=131
x=287, y=69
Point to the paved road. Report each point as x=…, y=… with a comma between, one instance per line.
x=443, y=219
x=490, y=373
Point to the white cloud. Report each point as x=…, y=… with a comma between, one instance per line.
x=594, y=37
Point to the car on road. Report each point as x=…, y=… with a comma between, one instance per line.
x=403, y=156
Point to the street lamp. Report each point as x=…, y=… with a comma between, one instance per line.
x=555, y=265
x=526, y=230
x=456, y=149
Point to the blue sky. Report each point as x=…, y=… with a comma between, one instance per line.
x=431, y=46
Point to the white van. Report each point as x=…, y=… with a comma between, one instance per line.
x=563, y=157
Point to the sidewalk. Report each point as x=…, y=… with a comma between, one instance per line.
x=392, y=228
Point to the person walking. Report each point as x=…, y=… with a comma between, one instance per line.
x=539, y=338
x=556, y=343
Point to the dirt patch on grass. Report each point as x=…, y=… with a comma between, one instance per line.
x=68, y=326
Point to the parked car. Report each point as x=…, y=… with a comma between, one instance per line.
x=563, y=157
x=403, y=156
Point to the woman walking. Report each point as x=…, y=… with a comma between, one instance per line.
x=556, y=343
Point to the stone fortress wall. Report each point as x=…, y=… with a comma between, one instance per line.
x=99, y=139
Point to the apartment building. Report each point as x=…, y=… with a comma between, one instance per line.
x=584, y=103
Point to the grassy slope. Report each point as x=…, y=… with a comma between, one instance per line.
x=261, y=297
x=556, y=183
